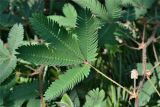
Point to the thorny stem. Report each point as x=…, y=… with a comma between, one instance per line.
x=109, y=78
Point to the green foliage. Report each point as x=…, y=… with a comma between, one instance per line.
x=87, y=35
x=116, y=97
x=95, y=98
x=7, y=56
x=110, y=11
x=140, y=6
x=19, y=97
x=65, y=101
x=41, y=54
x=8, y=66
x=95, y=6
x=59, y=38
x=67, y=81
x=15, y=38
x=77, y=48
x=148, y=90
x=114, y=9
x=81, y=46
x=71, y=39
x=69, y=19
x=140, y=70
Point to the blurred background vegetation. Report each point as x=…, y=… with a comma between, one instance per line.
x=114, y=59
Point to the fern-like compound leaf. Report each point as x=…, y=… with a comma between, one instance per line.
x=4, y=53
x=57, y=36
x=140, y=6
x=15, y=37
x=95, y=6
x=7, y=56
x=7, y=67
x=87, y=35
x=70, y=17
x=41, y=54
x=18, y=96
x=114, y=10
x=95, y=98
x=66, y=81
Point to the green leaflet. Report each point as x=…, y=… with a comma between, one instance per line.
x=8, y=20
x=114, y=9
x=7, y=67
x=87, y=35
x=4, y=4
x=8, y=59
x=41, y=54
x=140, y=6
x=95, y=6
x=4, y=53
x=65, y=101
x=59, y=38
x=140, y=68
x=33, y=103
x=15, y=37
x=70, y=17
x=95, y=98
x=19, y=97
x=108, y=12
x=148, y=90
x=66, y=81
x=115, y=96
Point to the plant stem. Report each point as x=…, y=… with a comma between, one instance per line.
x=155, y=53
x=153, y=86
x=110, y=79
x=144, y=56
x=41, y=69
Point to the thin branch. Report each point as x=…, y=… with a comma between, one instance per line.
x=153, y=86
x=151, y=39
x=109, y=79
x=155, y=67
x=134, y=48
x=154, y=51
x=29, y=67
x=41, y=83
x=143, y=36
x=144, y=57
x=39, y=71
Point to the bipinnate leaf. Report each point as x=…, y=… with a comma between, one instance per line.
x=4, y=53
x=41, y=54
x=15, y=38
x=7, y=67
x=64, y=48
x=7, y=56
x=70, y=18
x=95, y=6
x=66, y=81
x=95, y=98
x=57, y=36
x=87, y=32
